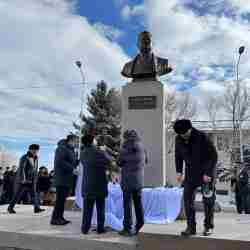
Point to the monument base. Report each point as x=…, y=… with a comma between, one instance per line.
x=143, y=109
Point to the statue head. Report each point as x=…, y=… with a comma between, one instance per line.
x=144, y=42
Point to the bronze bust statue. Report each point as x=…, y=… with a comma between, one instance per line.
x=146, y=65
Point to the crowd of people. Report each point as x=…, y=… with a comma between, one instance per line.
x=45, y=187
x=195, y=160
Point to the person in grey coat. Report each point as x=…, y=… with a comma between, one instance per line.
x=94, y=183
x=26, y=179
x=64, y=165
x=132, y=160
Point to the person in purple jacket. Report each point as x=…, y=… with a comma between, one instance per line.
x=132, y=160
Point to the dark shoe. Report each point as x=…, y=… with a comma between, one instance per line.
x=66, y=221
x=207, y=231
x=101, y=231
x=58, y=222
x=11, y=210
x=188, y=232
x=126, y=233
x=138, y=228
x=54, y=222
x=85, y=232
x=38, y=210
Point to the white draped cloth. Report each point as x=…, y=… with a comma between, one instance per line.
x=161, y=205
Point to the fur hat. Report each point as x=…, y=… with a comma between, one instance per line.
x=182, y=126
x=34, y=147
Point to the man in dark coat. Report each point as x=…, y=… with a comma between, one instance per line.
x=132, y=160
x=26, y=179
x=1, y=181
x=94, y=183
x=199, y=154
x=64, y=165
x=12, y=178
x=6, y=197
x=243, y=192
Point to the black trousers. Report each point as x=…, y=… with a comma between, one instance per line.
x=243, y=200
x=20, y=191
x=88, y=206
x=189, y=199
x=61, y=195
x=128, y=196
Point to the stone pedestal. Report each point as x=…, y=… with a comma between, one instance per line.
x=143, y=109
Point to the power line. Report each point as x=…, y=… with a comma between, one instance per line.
x=207, y=121
x=40, y=87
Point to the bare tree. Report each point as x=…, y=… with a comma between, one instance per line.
x=178, y=105
x=170, y=106
x=6, y=158
x=186, y=106
x=237, y=103
x=212, y=106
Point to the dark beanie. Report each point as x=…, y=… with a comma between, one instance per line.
x=130, y=135
x=34, y=147
x=87, y=140
x=182, y=126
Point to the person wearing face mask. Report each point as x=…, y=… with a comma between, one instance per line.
x=26, y=179
x=200, y=156
x=94, y=182
x=65, y=163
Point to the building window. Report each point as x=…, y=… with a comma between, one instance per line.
x=222, y=142
x=219, y=142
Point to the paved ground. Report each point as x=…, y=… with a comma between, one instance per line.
x=29, y=224
x=227, y=226
x=224, y=202
x=32, y=231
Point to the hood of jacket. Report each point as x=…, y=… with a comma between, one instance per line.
x=63, y=143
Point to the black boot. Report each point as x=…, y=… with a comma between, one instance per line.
x=11, y=210
x=207, y=231
x=189, y=231
x=138, y=228
x=101, y=231
x=66, y=221
x=38, y=210
x=58, y=222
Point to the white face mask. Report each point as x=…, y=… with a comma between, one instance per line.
x=95, y=142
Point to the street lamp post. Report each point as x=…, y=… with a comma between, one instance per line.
x=240, y=51
x=79, y=65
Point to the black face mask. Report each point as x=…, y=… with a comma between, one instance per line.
x=29, y=154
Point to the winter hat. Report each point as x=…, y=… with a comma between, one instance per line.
x=87, y=140
x=130, y=134
x=182, y=126
x=34, y=147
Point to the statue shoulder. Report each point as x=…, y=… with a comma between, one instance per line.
x=161, y=60
x=127, y=69
x=162, y=66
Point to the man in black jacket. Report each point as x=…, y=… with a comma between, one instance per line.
x=65, y=164
x=199, y=154
x=94, y=183
x=243, y=192
x=26, y=179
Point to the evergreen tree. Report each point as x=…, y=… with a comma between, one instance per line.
x=104, y=106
